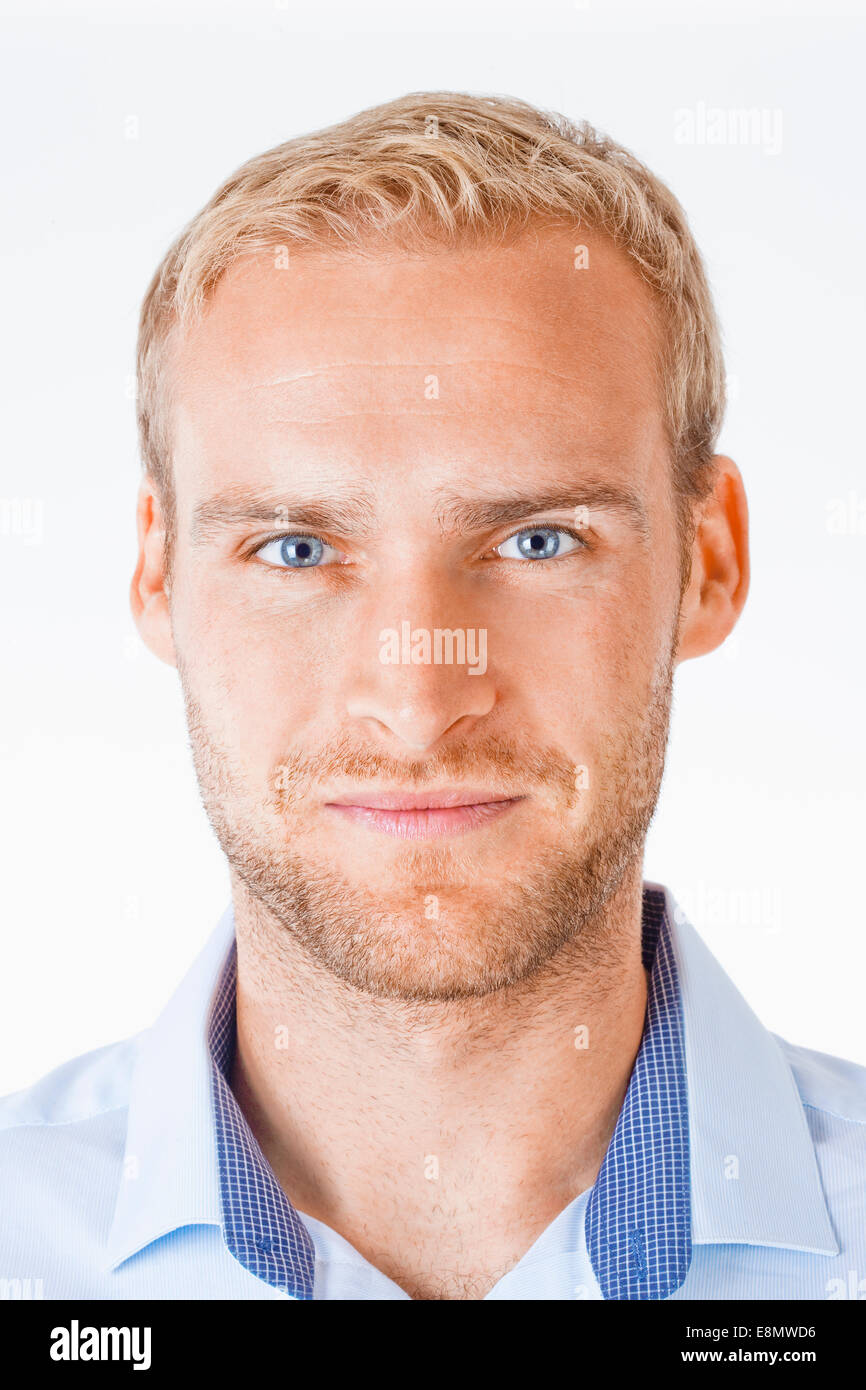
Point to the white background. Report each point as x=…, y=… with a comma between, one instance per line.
x=111, y=875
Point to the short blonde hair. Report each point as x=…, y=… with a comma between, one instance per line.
x=446, y=169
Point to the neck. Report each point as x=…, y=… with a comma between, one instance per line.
x=404, y=1125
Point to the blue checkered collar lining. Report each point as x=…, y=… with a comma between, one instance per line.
x=638, y=1219
x=637, y=1227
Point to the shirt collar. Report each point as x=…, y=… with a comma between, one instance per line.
x=726, y=1158
x=754, y=1174
x=169, y=1176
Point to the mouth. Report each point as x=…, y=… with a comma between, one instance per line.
x=423, y=815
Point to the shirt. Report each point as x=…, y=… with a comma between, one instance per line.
x=737, y=1167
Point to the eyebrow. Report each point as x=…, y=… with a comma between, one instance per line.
x=354, y=513
x=461, y=514
x=351, y=513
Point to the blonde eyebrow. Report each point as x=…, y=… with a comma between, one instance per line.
x=353, y=514
x=461, y=514
x=350, y=513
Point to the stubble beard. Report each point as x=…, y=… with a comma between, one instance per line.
x=445, y=935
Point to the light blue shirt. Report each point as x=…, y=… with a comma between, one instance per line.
x=737, y=1168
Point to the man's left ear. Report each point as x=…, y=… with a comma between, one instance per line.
x=719, y=583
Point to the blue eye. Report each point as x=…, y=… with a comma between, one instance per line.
x=297, y=552
x=540, y=543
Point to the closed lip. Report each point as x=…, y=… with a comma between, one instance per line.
x=422, y=801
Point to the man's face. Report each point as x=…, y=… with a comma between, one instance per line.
x=367, y=451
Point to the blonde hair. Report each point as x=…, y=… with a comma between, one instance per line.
x=445, y=169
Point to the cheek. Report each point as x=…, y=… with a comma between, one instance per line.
x=588, y=663
x=260, y=675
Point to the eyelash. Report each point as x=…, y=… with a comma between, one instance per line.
x=549, y=526
x=537, y=526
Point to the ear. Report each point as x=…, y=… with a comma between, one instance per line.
x=148, y=592
x=719, y=583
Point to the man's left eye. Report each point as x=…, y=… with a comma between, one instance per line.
x=539, y=543
x=298, y=552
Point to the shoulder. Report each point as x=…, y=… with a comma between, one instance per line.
x=827, y=1083
x=62, y=1144
x=79, y=1090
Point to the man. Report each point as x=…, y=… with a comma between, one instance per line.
x=430, y=514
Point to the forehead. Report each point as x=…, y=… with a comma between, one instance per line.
x=467, y=355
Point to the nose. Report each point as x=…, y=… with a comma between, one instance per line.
x=413, y=685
